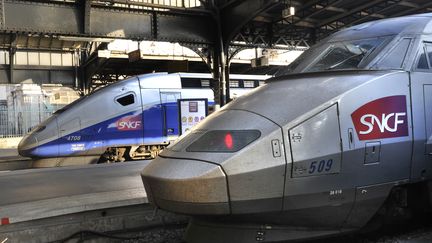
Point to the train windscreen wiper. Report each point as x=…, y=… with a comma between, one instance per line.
x=345, y=60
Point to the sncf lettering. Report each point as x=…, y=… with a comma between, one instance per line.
x=130, y=125
x=370, y=120
x=382, y=118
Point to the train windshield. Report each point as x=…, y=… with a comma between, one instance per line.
x=338, y=55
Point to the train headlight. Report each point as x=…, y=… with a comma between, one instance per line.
x=224, y=141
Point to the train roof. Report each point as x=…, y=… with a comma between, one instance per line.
x=406, y=25
x=159, y=81
x=232, y=76
x=172, y=80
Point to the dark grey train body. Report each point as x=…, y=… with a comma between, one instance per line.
x=315, y=152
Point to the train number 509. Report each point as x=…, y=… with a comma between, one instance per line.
x=321, y=166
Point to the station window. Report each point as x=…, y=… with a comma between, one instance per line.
x=126, y=100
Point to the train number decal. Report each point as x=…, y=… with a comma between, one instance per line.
x=73, y=138
x=320, y=166
x=382, y=118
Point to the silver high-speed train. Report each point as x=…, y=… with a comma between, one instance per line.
x=345, y=137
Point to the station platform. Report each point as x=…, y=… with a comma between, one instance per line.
x=41, y=193
x=11, y=160
x=51, y=204
x=9, y=153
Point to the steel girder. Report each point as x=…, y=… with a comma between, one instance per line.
x=87, y=20
x=236, y=14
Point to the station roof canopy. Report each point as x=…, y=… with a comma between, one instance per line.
x=243, y=22
x=313, y=20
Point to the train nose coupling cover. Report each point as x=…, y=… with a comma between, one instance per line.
x=186, y=186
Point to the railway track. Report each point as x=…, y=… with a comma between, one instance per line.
x=415, y=230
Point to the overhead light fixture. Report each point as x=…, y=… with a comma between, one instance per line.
x=288, y=11
x=292, y=11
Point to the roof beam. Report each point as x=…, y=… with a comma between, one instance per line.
x=86, y=19
x=348, y=13
x=335, y=9
x=414, y=10
x=408, y=4
x=238, y=13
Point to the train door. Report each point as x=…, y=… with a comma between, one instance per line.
x=377, y=135
x=421, y=92
x=315, y=145
x=170, y=112
x=152, y=116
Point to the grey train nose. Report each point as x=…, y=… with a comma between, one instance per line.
x=184, y=182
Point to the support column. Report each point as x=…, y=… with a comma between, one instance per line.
x=85, y=80
x=12, y=51
x=227, y=78
x=76, y=62
x=221, y=54
x=216, y=76
x=87, y=12
x=224, y=88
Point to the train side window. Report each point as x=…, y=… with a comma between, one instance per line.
x=205, y=83
x=249, y=83
x=422, y=62
x=191, y=83
x=396, y=58
x=234, y=83
x=126, y=100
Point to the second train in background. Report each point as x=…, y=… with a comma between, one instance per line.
x=133, y=119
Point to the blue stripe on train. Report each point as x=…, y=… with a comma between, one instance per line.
x=158, y=122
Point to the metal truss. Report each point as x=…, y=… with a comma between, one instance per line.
x=103, y=79
x=274, y=42
x=323, y=17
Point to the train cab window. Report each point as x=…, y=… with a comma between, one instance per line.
x=396, y=57
x=351, y=54
x=425, y=57
x=422, y=62
x=234, y=83
x=249, y=83
x=126, y=100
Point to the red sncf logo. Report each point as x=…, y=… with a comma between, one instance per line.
x=382, y=118
x=128, y=123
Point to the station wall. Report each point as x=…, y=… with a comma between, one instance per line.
x=42, y=67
